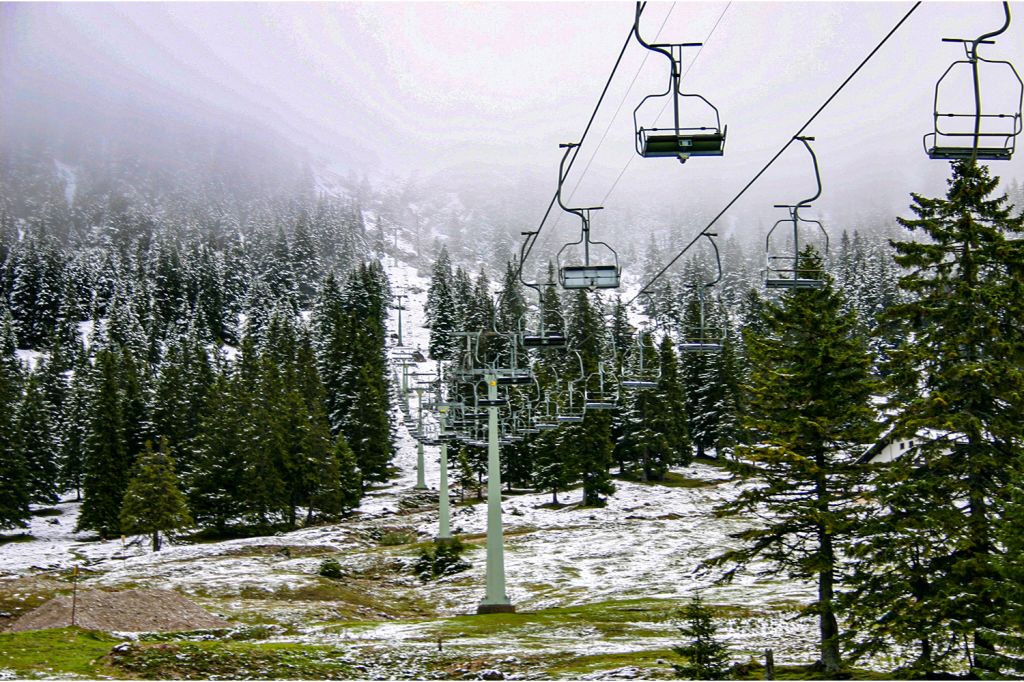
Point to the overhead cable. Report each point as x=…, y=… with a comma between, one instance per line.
x=665, y=106
x=532, y=238
x=778, y=154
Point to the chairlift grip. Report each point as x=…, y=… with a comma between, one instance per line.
x=968, y=40
x=671, y=45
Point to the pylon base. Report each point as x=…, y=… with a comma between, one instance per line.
x=495, y=608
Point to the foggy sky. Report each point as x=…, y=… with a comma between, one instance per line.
x=462, y=89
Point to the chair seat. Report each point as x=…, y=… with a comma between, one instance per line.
x=672, y=145
x=699, y=347
x=639, y=383
x=590, y=277
x=514, y=379
x=794, y=283
x=549, y=341
x=957, y=153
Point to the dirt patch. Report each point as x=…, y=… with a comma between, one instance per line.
x=127, y=611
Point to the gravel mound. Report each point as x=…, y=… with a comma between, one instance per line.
x=126, y=611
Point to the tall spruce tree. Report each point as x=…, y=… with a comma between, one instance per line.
x=441, y=311
x=809, y=405
x=14, y=476
x=589, y=444
x=670, y=416
x=551, y=470
x=215, y=483
x=957, y=383
x=36, y=439
x=74, y=423
x=106, y=460
x=179, y=392
x=649, y=420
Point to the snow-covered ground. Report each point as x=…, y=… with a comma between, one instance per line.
x=646, y=544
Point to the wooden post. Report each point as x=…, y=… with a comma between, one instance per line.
x=74, y=594
x=769, y=664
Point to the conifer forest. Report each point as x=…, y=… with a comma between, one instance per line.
x=442, y=341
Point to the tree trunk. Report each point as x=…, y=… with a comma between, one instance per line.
x=156, y=541
x=982, y=550
x=924, y=659
x=828, y=627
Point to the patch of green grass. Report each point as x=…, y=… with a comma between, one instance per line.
x=16, y=537
x=344, y=599
x=619, y=618
x=614, y=617
x=209, y=660
x=237, y=634
x=398, y=537
x=569, y=666
x=320, y=590
x=55, y=652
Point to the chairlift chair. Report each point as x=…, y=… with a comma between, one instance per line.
x=700, y=337
x=528, y=426
x=542, y=338
x=990, y=136
x=586, y=275
x=573, y=412
x=640, y=377
x=679, y=141
x=783, y=269
x=549, y=420
x=525, y=422
x=514, y=377
x=604, y=398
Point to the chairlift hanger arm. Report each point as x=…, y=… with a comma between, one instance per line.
x=983, y=39
x=977, y=84
x=563, y=172
x=530, y=238
x=718, y=259
x=817, y=174
x=660, y=48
